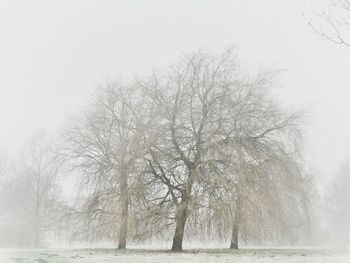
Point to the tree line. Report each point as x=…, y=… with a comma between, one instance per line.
x=199, y=149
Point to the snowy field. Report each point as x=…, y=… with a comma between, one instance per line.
x=155, y=256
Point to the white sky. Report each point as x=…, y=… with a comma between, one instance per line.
x=53, y=54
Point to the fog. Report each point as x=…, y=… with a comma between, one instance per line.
x=66, y=66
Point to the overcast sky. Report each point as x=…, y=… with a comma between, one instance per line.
x=53, y=54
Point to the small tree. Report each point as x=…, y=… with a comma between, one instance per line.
x=32, y=193
x=337, y=205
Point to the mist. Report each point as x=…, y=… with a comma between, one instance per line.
x=217, y=127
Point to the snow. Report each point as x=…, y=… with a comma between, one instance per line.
x=155, y=256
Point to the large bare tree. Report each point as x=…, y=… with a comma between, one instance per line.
x=182, y=146
x=204, y=105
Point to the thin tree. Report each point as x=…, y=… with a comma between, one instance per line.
x=104, y=144
x=33, y=191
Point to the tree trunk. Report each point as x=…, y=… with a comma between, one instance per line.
x=181, y=214
x=123, y=228
x=234, y=237
x=37, y=225
x=235, y=227
x=238, y=203
x=181, y=217
x=37, y=236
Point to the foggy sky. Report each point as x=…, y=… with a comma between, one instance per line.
x=53, y=54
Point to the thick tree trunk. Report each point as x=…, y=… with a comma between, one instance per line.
x=181, y=214
x=181, y=217
x=234, y=237
x=235, y=227
x=124, y=206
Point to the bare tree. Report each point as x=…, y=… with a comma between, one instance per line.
x=337, y=205
x=333, y=22
x=104, y=143
x=206, y=104
x=258, y=162
x=32, y=189
x=201, y=138
x=266, y=164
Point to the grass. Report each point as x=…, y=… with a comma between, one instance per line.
x=154, y=256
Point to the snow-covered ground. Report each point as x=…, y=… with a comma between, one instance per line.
x=155, y=256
